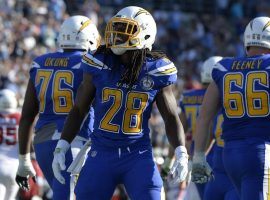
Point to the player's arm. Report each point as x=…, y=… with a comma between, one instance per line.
x=167, y=106
x=183, y=119
x=29, y=112
x=165, y=168
x=201, y=171
x=188, y=134
x=84, y=98
x=209, y=109
x=210, y=139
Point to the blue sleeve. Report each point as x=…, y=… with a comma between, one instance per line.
x=164, y=73
x=218, y=71
x=33, y=71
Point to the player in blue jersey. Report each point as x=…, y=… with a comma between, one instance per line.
x=125, y=78
x=241, y=89
x=52, y=88
x=190, y=104
x=219, y=188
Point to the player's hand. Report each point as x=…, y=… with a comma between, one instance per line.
x=179, y=169
x=25, y=171
x=201, y=171
x=58, y=163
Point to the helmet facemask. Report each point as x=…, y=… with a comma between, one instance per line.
x=132, y=28
x=121, y=34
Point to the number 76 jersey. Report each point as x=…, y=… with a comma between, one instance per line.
x=122, y=114
x=244, y=89
x=56, y=77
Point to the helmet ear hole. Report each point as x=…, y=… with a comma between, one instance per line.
x=91, y=42
x=146, y=37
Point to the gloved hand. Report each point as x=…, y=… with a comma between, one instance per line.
x=25, y=171
x=59, y=159
x=179, y=169
x=77, y=164
x=201, y=171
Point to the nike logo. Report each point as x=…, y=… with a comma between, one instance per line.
x=141, y=152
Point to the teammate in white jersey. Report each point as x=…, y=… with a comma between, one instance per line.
x=9, y=120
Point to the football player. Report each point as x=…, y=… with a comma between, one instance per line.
x=125, y=77
x=219, y=188
x=52, y=88
x=241, y=89
x=9, y=122
x=190, y=104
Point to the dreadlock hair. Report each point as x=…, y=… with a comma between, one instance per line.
x=102, y=49
x=138, y=58
x=133, y=68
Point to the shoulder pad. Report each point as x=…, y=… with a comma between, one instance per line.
x=163, y=67
x=220, y=68
x=94, y=61
x=163, y=72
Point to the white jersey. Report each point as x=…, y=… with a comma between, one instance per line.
x=9, y=123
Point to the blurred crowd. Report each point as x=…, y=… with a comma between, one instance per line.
x=189, y=31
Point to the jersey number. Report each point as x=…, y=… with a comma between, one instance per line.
x=8, y=135
x=132, y=118
x=62, y=98
x=191, y=114
x=255, y=103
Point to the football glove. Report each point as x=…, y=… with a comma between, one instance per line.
x=201, y=171
x=25, y=171
x=58, y=163
x=77, y=164
x=179, y=169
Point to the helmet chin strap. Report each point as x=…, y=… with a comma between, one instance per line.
x=118, y=51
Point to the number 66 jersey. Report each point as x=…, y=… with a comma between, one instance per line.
x=244, y=91
x=243, y=85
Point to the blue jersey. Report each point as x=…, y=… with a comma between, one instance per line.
x=56, y=77
x=190, y=104
x=122, y=114
x=243, y=85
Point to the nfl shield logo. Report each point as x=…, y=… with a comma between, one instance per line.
x=147, y=83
